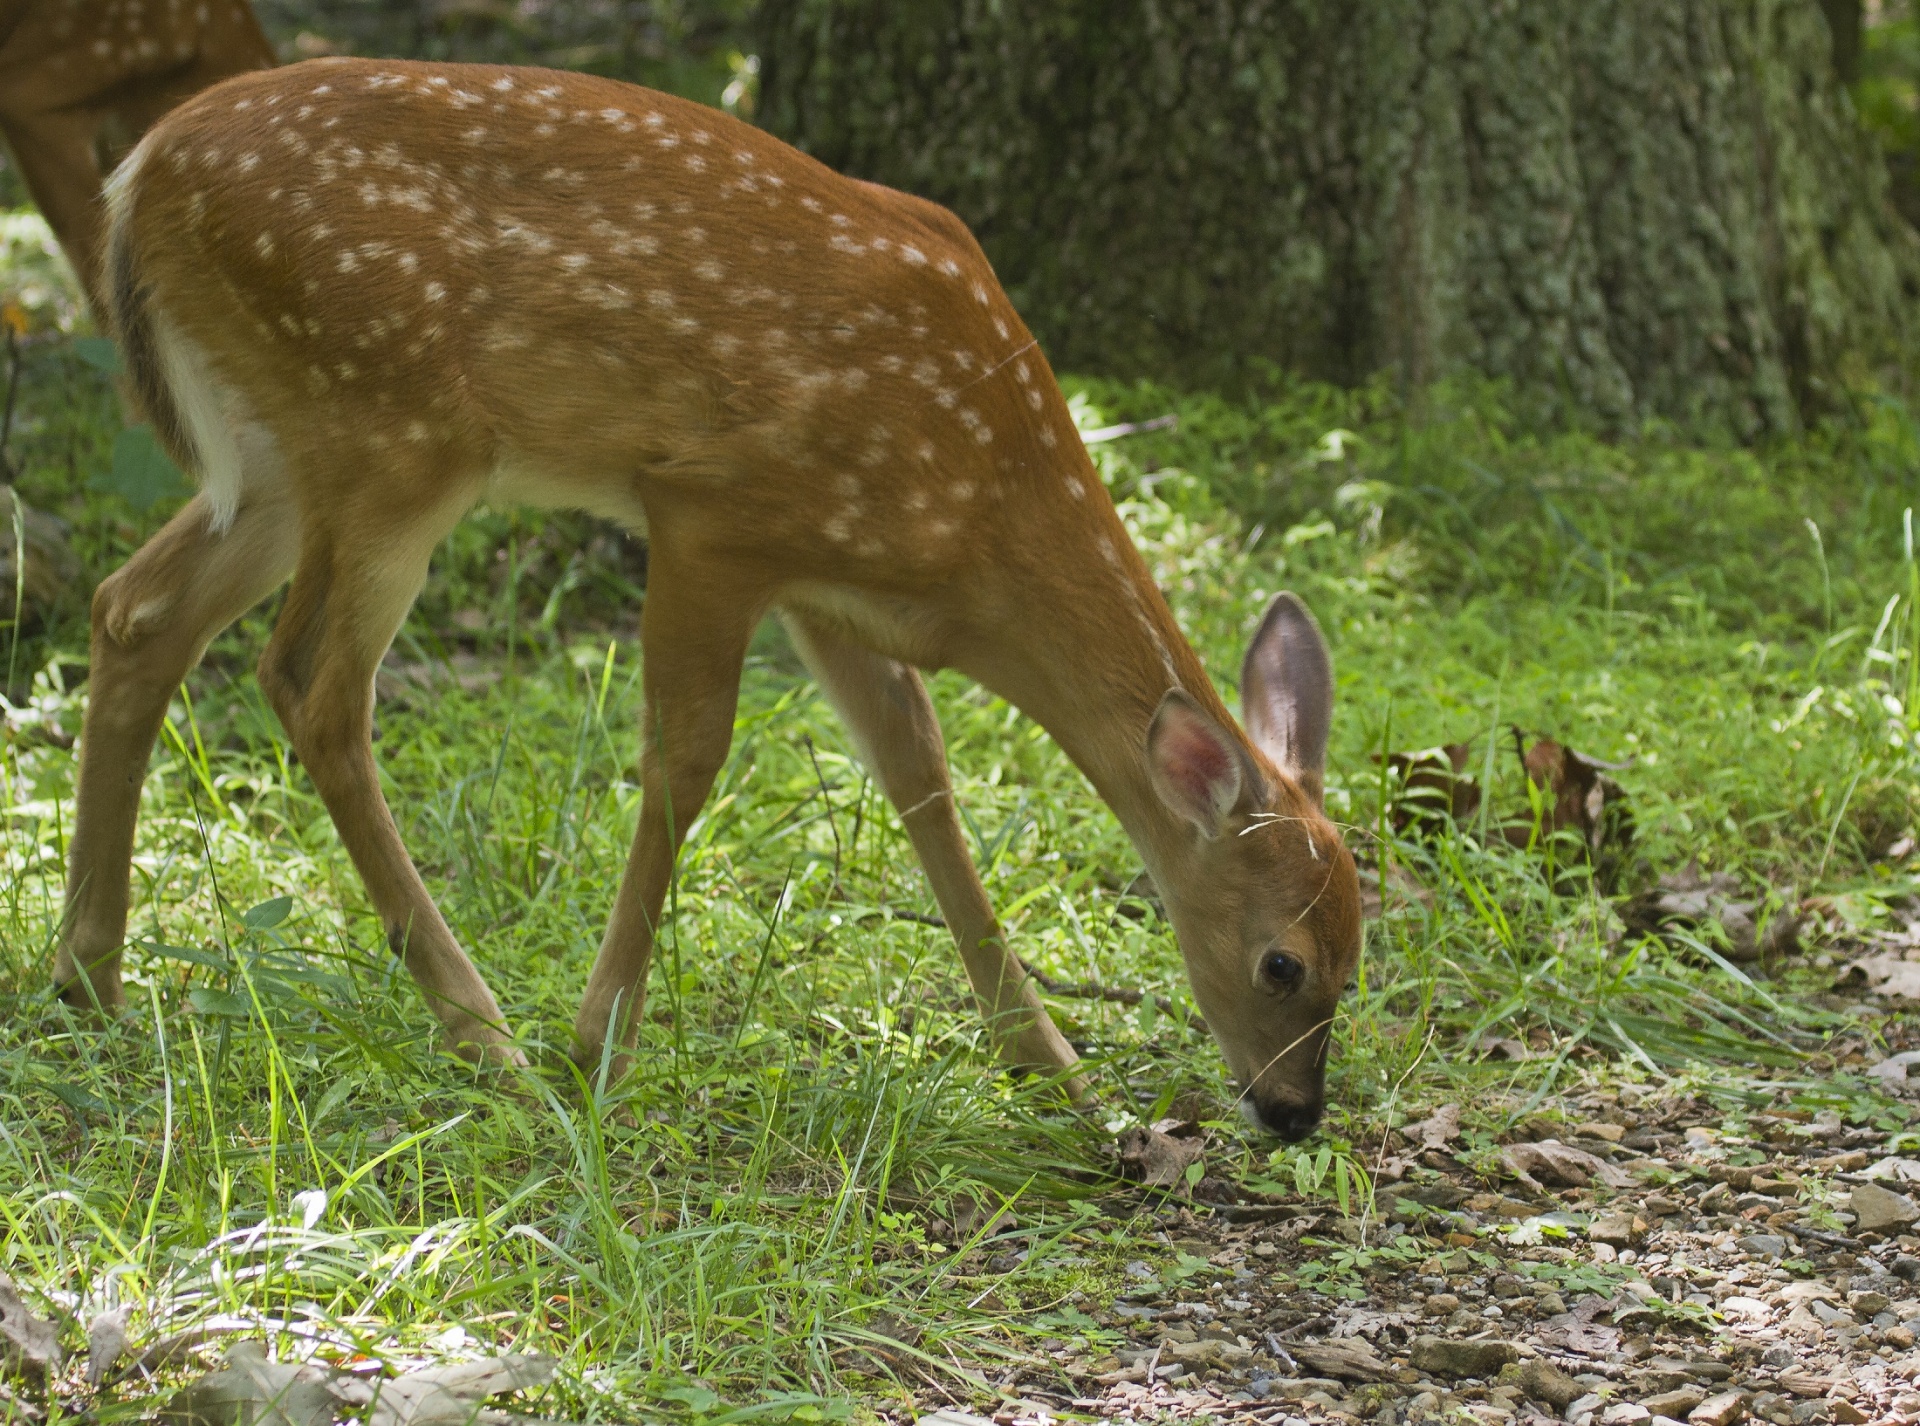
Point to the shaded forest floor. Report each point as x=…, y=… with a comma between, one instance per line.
x=1670, y=1180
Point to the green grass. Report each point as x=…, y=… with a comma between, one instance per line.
x=814, y=1106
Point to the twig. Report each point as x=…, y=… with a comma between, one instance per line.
x=1076, y=989
x=1118, y=994
x=1822, y=1236
x=1128, y=428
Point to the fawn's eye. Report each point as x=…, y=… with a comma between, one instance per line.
x=1281, y=970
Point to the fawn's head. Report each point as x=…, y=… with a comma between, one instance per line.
x=1268, y=913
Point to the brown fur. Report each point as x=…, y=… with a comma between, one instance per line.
x=409, y=287
x=81, y=80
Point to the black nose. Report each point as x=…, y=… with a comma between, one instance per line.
x=1292, y=1122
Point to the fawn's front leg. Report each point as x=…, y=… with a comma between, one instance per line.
x=892, y=721
x=694, y=631
x=152, y=619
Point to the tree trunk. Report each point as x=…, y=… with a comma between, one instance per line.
x=1629, y=208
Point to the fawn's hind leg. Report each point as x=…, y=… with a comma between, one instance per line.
x=152, y=619
x=886, y=710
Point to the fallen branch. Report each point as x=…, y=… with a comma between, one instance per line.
x=1117, y=994
x=1077, y=989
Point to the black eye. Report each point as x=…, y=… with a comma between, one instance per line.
x=1282, y=970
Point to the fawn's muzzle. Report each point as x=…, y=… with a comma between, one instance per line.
x=1291, y=1120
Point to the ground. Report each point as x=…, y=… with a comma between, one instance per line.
x=817, y=1197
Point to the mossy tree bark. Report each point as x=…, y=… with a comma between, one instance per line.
x=1634, y=208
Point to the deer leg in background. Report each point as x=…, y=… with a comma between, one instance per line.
x=886, y=710
x=56, y=159
x=355, y=579
x=694, y=630
x=151, y=622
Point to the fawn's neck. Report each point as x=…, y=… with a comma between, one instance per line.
x=1093, y=674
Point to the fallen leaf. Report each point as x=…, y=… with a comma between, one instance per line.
x=1350, y=1361
x=1430, y=784
x=448, y=1395
x=28, y=1344
x=1690, y=898
x=1893, y=1069
x=106, y=1342
x=1560, y=1165
x=1884, y=974
x=1155, y=1157
x=1580, y=798
x=1578, y=1333
x=252, y=1391
x=1437, y=1130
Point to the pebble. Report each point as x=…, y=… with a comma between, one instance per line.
x=1764, y=1245
x=1441, y=1303
x=1543, y=1381
x=1443, y=1356
x=1677, y=1402
x=1876, y=1210
x=1722, y=1410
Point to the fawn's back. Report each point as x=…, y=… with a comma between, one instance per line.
x=574, y=292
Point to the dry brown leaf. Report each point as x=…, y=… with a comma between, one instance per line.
x=1885, y=974
x=1437, y=1130
x=1155, y=1157
x=1560, y=1165
x=1430, y=784
x=106, y=1342
x=1350, y=1361
x=1580, y=798
x=448, y=1395
x=252, y=1391
x=28, y=1344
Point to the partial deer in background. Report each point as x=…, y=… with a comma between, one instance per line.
x=359, y=297
x=82, y=80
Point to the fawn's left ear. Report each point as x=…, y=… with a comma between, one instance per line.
x=1286, y=693
x=1195, y=766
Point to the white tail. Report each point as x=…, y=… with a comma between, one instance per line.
x=360, y=297
x=81, y=80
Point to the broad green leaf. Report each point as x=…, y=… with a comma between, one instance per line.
x=267, y=914
x=220, y=1003
x=142, y=474
x=99, y=353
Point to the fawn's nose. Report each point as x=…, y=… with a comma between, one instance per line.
x=1291, y=1121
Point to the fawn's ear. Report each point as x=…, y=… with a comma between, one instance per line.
x=1196, y=768
x=1286, y=693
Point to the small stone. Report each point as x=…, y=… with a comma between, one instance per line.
x=1441, y=1303
x=1677, y=1402
x=1549, y=1304
x=1879, y=1210
x=1900, y=1338
x=1625, y=1413
x=1444, y=1357
x=1612, y=1133
x=1209, y=1355
x=1665, y=1421
x=1541, y=1380
x=1845, y=1412
x=1584, y=1406
x=1869, y=1303
x=1722, y=1410
x=1621, y=1230
x=1764, y=1245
